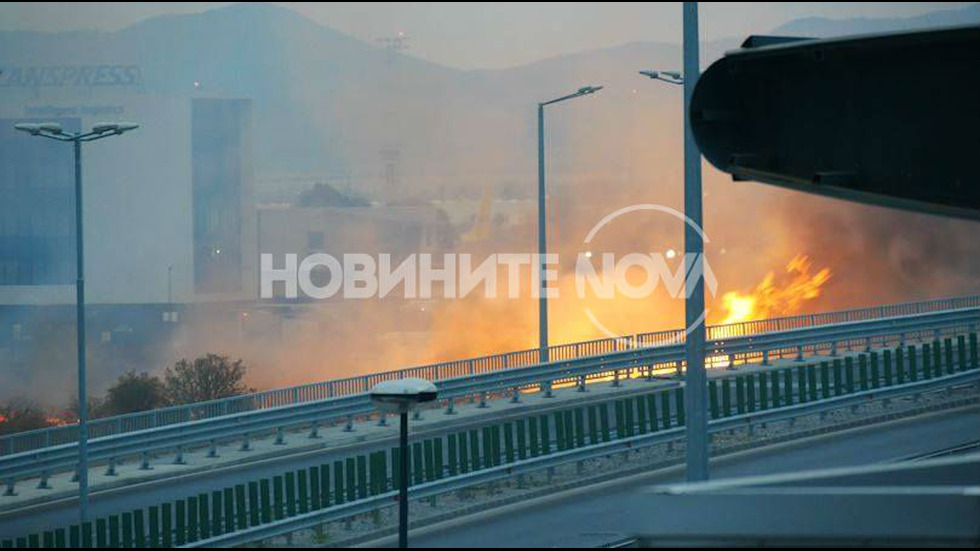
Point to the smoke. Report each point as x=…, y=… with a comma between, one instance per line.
x=457, y=134
x=876, y=256
x=461, y=137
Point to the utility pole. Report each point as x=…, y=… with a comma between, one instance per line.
x=542, y=245
x=54, y=131
x=80, y=327
x=696, y=379
x=390, y=151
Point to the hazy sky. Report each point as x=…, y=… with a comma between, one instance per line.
x=485, y=34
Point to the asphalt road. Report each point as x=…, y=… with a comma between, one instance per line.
x=591, y=517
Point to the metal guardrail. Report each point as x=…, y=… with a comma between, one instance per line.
x=121, y=424
x=247, y=425
x=535, y=464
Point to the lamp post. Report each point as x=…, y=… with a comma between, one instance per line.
x=54, y=131
x=695, y=379
x=542, y=236
x=402, y=396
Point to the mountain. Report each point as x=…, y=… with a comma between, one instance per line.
x=310, y=84
x=329, y=105
x=824, y=27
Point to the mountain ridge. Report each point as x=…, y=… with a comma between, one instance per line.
x=810, y=26
x=355, y=100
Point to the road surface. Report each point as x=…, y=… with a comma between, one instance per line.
x=910, y=438
x=590, y=517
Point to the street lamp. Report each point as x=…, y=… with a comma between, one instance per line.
x=695, y=379
x=53, y=130
x=402, y=396
x=542, y=238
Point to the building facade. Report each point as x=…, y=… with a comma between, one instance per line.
x=169, y=224
x=168, y=208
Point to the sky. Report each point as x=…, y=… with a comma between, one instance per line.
x=484, y=35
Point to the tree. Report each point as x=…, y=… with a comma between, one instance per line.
x=22, y=415
x=207, y=378
x=135, y=392
x=324, y=195
x=96, y=408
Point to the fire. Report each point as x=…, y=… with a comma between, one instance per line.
x=771, y=298
x=57, y=421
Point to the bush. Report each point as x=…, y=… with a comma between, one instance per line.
x=96, y=409
x=135, y=392
x=22, y=415
x=207, y=378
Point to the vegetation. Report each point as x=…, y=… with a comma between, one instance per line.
x=22, y=415
x=206, y=378
x=96, y=409
x=209, y=377
x=135, y=392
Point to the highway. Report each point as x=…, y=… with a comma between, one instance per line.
x=132, y=489
x=590, y=517
x=128, y=488
x=268, y=431
x=220, y=474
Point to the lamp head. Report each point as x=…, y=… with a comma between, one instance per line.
x=31, y=128
x=673, y=77
x=114, y=127
x=35, y=128
x=402, y=395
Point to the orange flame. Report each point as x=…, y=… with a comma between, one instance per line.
x=57, y=421
x=772, y=299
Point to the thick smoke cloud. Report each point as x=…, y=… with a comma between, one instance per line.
x=464, y=135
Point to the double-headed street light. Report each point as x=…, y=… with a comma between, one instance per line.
x=542, y=236
x=54, y=131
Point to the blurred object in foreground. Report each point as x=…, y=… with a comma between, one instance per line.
x=889, y=119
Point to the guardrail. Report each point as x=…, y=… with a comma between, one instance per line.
x=510, y=470
x=121, y=424
x=247, y=425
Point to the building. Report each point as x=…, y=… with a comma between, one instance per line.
x=168, y=209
